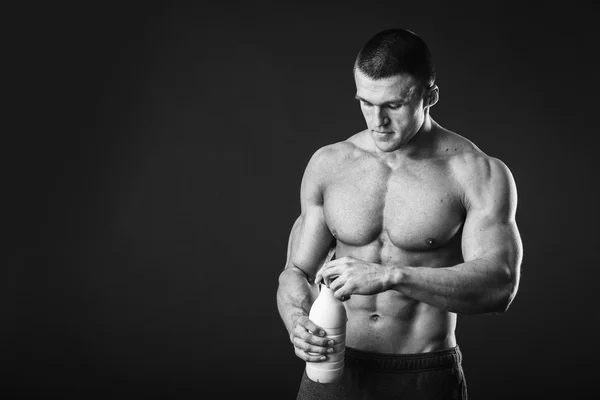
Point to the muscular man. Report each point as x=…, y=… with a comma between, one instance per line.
x=423, y=227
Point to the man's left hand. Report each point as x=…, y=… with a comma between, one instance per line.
x=347, y=276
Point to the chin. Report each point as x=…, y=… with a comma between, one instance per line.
x=392, y=142
x=387, y=147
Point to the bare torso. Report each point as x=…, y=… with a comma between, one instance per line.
x=402, y=213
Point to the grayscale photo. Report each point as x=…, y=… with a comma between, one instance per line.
x=301, y=200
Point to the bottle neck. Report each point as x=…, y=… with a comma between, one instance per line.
x=326, y=291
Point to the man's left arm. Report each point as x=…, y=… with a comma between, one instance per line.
x=487, y=280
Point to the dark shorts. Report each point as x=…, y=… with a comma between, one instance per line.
x=436, y=375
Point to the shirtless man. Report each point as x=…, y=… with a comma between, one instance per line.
x=423, y=227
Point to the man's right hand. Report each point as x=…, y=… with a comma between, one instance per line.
x=309, y=340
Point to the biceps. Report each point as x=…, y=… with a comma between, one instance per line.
x=493, y=239
x=293, y=240
x=313, y=240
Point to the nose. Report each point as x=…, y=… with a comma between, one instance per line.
x=380, y=119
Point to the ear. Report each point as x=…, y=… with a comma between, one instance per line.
x=432, y=96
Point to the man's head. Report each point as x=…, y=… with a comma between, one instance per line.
x=395, y=83
x=396, y=51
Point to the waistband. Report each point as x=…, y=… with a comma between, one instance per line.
x=403, y=362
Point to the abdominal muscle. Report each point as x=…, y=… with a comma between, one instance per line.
x=391, y=322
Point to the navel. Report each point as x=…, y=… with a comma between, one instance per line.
x=374, y=317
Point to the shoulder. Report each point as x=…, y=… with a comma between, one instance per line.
x=483, y=180
x=334, y=155
x=480, y=178
x=466, y=160
x=324, y=162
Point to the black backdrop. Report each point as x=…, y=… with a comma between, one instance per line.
x=154, y=177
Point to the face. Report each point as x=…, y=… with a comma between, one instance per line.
x=393, y=109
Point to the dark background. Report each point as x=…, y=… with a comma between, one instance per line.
x=154, y=174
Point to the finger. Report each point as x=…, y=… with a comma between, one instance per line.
x=330, y=274
x=322, y=280
x=315, y=340
x=343, y=293
x=312, y=339
x=320, y=273
x=329, y=264
x=307, y=325
x=309, y=357
x=318, y=277
x=336, y=282
x=312, y=348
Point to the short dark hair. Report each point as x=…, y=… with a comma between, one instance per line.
x=396, y=51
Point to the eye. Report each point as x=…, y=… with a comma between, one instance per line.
x=394, y=106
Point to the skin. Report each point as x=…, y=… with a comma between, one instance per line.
x=422, y=223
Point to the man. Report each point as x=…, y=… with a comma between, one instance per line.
x=423, y=227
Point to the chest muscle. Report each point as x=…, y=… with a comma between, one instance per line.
x=412, y=210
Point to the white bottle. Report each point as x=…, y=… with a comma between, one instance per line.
x=330, y=314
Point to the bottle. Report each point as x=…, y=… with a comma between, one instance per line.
x=330, y=314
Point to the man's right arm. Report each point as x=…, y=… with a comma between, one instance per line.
x=308, y=245
x=296, y=292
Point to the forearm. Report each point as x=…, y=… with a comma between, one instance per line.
x=295, y=295
x=475, y=287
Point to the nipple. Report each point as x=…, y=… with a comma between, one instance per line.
x=430, y=241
